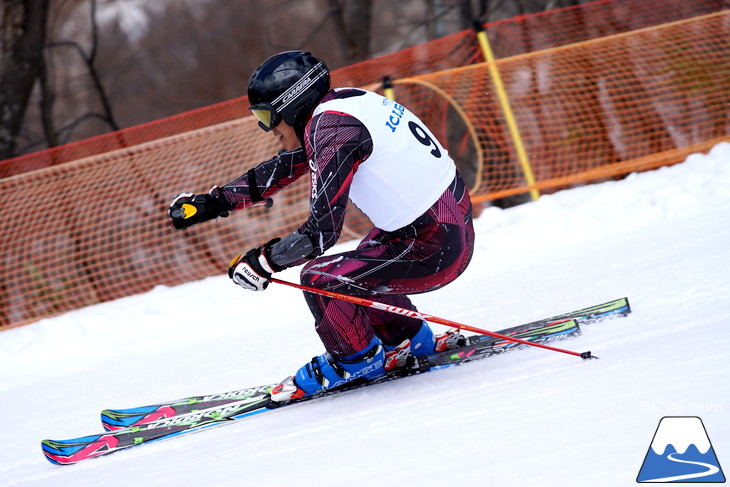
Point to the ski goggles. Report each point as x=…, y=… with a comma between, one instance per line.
x=267, y=116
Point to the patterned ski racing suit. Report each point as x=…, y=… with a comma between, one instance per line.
x=363, y=147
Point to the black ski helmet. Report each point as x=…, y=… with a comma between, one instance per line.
x=287, y=86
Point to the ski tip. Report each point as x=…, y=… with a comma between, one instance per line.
x=587, y=355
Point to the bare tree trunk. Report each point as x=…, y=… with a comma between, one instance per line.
x=22, y=36
x=358, y=14
x=466, y=14
x=353, y=20
x=91, y=63
x=48, y=97
x=53, y=135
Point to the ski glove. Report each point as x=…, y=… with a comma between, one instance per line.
x=187, y=209
x=253, y=270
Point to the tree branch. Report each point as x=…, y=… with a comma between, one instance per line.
x=89, y=60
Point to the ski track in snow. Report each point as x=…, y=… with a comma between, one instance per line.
x=531, y=417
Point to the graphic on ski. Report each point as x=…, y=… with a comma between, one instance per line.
x=66, y=452
x=151, y=423
x=113, y=420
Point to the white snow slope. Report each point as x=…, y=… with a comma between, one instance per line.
x=531, y=417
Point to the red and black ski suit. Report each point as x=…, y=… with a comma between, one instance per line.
x=428, y=252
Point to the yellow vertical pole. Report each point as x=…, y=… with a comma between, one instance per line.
x=388, y=88
x=506, y=108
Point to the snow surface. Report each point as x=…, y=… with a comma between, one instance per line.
x=531, y=417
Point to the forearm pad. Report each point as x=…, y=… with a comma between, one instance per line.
x=290, y=250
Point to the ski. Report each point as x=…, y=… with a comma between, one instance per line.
x=136, y=426
x=480, y=346
x=216, y=410
x=115, y=419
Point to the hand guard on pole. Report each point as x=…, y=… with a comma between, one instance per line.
x=188, y=209
x=253, y=270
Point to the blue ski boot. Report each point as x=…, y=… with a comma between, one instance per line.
x=426, y=343
x=422, y=344
x=326, y=372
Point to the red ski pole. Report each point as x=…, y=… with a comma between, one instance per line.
x=416, y=314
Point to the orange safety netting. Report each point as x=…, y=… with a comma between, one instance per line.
x=585, y=111
x=518, y=35
x=93, y=227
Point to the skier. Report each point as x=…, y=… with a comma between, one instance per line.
x=359, y=145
